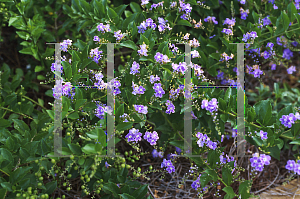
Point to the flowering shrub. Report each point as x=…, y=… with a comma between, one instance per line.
x=149, y=93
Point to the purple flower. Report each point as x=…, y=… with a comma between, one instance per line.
x=265, y=159
x=195, y=54
x=211, y=20
x=65, y=44
x=103, y=28
x=167, y=163
x=178, y=150
x=287, y=53
x=118, y=35
x=143, y=51
x=227, y=31
x=244, y=13
x=141, y=109
x=291, y=69
x=134, y=135
x=290, y=165
x=107, y=165
x=196, y=184
x=144, y=2
x=263, y=135
x=170, y=107
x=151, y=137
x=254, y=161
x=134, y=69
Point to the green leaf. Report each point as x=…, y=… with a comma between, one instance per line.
x=75, y=149
x=6, y=154
x=229, y=191
x=228, y=94
x=73, y=116
x=127, y=21
x=23, y=35
x=212, y=173
x=111, y=13
x=3, y=193
x=50, y=187
x=120, y=9
x=204, y=179
x=112, y=187
x=26, y=51
x=79, y=103
x=4, y=123
x=184, y=23
x=286, y=21
x=215, y=56
x=292, y=11
x=124, y=126
x=274, y=152
x=135, y=7
x=67, y=70
x=129, y=44
x=18, y=174
x=88, y=163
x=264, y=110
x=6, y=185
x=140, y=192
x=244, y=189
x=20, y=125
x=296, y=129
x=226, y=176
x=126, y=196
x=89, y=149
x=38, y=69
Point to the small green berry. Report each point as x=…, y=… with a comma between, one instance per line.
x=72, y=157
x=123, y=165
x=126, y=153
x=53, y=161
x=39, y=184
x=69, y=188
x=150, y=167
x=41, y=178
x=64, y=184
x=76, y=168
x=69, y=176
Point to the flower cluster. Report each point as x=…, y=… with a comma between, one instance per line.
x=65, y=90
x=154, y=79
x=143, y=51
x=151, y=137
x=103, y=28
x=65, y=44
x=204, y=139
x=242, y=1
x=155, y=5
x=197, y=25
x=141, y=109
x=211, y=105
x=234, y=132
x=156, y=154
x=144, y=2
x=185, y=7
x=291, y=69
x=287, y=54
x=263, y=135
x=196, y=184
x=148, y=23
x=137, y=89
x=96, y=54
x=224, y=159
x=225, y=57
x=100, y=84
x=162, y=24
x=211, y=20
x=53, y=68
x=134, y=135
x=173, y=48
x=194, y=43
x=259, y=161
x=126, y=116
x=293, y=166
x=227, y=31
x=119, y=35
x=181, y=67
x=170, y=107
x=288, y=120
x=257, y=72
x=244, y=13
x=167, y=163
x=195, y=54
x=102, y=109
x=249, y=36
x=134, y=68
x=159, y=91
x=162, y=59
x=282, y=40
